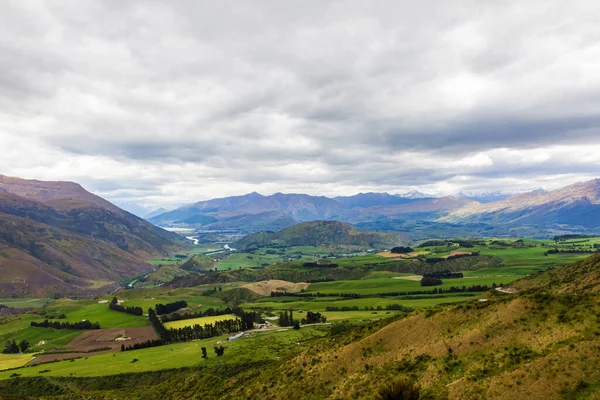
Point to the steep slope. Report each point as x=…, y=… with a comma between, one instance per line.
x=577, y=204
x=317, y=233
x=39, y=260
x=70, y=244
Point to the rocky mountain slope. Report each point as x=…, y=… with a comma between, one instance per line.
x=577, y=204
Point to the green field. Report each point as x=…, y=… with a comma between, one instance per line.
x=198, y=321
x=13, y=360
x=25, y=303
x=260, y=346
x=390, y=285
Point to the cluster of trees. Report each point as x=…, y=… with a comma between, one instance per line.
x=397, y=307
x=430, y=281
x=170, y=307
x=562, y=238
x=114, y=305
x=219, y=351
x=444, y=275
x=314, y=318
x=66, y=325
x=435, y=243
x=323, y=264
x=13, y=348
x=286, y=318
x=209, y=312
x=143, y=345
x=218, y=328
x=433, y=260
x=570, y=251
x=401, y=250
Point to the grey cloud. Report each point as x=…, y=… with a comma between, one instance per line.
x=301, y=92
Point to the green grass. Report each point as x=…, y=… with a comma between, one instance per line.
x=198, y=321
x=261, y=346
x=13, y=360
x=320, y=306
x=25, y=303
x=91, y=310
x=19, y=328
x=387, y=285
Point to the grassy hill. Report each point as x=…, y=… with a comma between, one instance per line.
x=317, y=233
x=198, y=263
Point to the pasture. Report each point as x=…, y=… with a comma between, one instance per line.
x=198, y=321
x=260, y=346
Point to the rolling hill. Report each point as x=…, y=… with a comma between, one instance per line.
x=56, y=237
x=317, y=233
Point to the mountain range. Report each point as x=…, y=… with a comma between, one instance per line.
x=574, y=207
x=254, y=212
x=56, y=237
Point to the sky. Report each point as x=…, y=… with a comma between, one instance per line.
x=163, y=103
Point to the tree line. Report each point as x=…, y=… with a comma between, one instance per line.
x=114, y=305
x=244, y=322
x=66, y=325
x=170, y=307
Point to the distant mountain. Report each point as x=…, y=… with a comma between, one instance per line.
x=415, y=194
x=134, y=208
x=254, y=212
x=577, y=204
x=55, y=237
x=317, y=233
x=156, y=212
x=364, y=200
x=484, y=197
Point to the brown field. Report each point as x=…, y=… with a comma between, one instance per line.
x=266, y=287
x=388, y=254
x=84, y=344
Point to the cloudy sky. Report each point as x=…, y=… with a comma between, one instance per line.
x=172, y=102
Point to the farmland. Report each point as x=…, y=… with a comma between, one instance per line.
x=360, y=288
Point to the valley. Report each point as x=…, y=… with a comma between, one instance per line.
x=363, y=291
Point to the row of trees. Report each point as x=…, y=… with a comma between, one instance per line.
x=114, y=305
x=244, y=322
x=444, y=275
x=170, y=307
x=143, y=345
x=66, y=325
x=217, y=328
x=13, y=348
x=397, y=307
